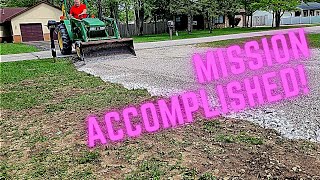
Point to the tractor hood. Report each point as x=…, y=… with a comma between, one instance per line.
x=93, y=22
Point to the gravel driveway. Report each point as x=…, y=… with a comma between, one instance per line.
x=168, y=70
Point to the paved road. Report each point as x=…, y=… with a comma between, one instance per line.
x=150, y=45
x=43, y=45
x=314, y=29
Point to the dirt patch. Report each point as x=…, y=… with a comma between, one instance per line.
x=49, y=140
x=206, y=148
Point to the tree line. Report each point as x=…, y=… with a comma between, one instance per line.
x=141, y=11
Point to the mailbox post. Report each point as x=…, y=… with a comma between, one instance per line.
x=171, y=26
x=52, y=26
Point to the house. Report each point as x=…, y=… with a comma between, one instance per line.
x=181, y=22
x=306, y=13
x=308, y=9
x=200, y=22
x=27, y=24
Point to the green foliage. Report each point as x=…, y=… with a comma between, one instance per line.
x=241, y=138
x=207, y=176
x=229, y=6
x=126, y=9
x=85, y=174
x=20, y=3
x=149, y=169
x=27, y=3
x=276, y=5
x=211, y=126
x=189, y=174
x=89, y=157
x=3, y=170
x=211, y=8
x=145, y=10
x=184, y=7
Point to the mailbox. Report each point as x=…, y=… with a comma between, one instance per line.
x=52, y=24
x=194, y=23
x=170, y=24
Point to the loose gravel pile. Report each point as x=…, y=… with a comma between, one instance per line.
x=167, y=71
x=298, y=118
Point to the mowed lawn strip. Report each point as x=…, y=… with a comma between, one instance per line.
x=16, y=48
x=43, y=134
x=206, y=33
x=313, y=39
x=35, y=83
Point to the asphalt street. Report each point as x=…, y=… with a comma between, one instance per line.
x=46, y=53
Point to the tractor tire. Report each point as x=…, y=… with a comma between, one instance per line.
x=64, y=41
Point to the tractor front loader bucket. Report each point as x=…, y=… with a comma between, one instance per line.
x=106, y=47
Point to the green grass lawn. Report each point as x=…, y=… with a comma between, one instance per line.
x=32, y=83
x=16, y=48
x=203, y=33
x=43, y=133
x=314, y=41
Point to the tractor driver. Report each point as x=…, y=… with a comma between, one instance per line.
x=78, y=10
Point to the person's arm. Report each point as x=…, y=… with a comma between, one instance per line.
x=71, y=13
x=84, y=10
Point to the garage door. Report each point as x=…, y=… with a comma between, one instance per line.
x=31, y=32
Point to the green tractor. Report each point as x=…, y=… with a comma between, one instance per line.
x=90, y=35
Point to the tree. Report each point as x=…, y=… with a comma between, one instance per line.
x=126, y=12
x=230, y=8
x=26, y=3
x=158, y=10
x=139, y=10
x=253, y=7
x=20, y=3
x=278, y=7
x=126, y=6
x=211, y=11
x=189, y=7
x=249, y=6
